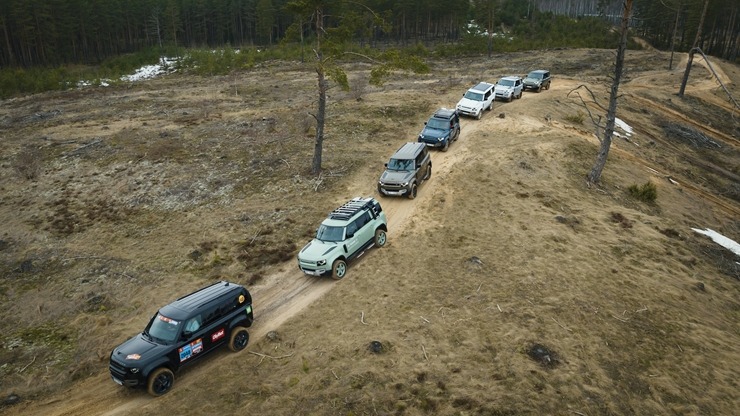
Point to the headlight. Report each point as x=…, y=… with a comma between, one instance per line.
x=421, y=136
x=134, y=370
x=321, y=263
x=405, y=184
x=441, y=139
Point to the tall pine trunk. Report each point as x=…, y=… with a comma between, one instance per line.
x=693, y=50
x=595, y=175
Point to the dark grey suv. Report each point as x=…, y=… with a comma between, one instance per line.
x=406, y=170
x=537, y=80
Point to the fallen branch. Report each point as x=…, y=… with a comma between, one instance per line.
x=335, y=374
x=499, y=308
x=620, y=319
x=424, y=350
x=270, y=356
x=24, y=368
x=556, y=321
x=362, y=318
x=425, y=319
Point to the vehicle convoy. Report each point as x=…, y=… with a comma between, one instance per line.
x=344, y=236
x=476, y=99
x=409, y=166
x=180, y=334
x=508, y=88
x=537, y=80
x=441, y=129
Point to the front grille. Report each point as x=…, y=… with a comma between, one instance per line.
x=117, y=370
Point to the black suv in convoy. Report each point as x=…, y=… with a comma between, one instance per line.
x=181, y=333
x=537, y=80
x=407, y=169
x=441, y=129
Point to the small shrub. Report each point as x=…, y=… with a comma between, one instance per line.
x=575, y=118
x=646, y=192
x=28, y=163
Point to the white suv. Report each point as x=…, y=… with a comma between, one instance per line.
x=477, y=99
x=508, y=88
x=344, y=235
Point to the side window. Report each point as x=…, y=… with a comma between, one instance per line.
x=193, y=324
x=363, y=220
x=352, y=227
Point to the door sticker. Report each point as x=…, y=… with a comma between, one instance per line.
x=188, y=350
x=218, y=335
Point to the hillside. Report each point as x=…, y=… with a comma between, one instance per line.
x=508, y=286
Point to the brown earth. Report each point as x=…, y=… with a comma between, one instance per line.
x=508, y=286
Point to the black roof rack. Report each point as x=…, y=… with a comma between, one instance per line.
x=349, y=209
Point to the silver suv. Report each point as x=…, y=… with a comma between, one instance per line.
x=476, y=99
x=406, y=170
x=508, y=88
x=343, y=236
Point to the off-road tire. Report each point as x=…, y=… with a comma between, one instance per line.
x=338, y=269
x=412, y=193
x=380, y=238
x=160, y=381
x=446, y=145
x=520, y=95
x=239, y=339
x=479, y=115
x=548, y=86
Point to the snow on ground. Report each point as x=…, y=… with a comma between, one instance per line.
x=150, y=71
x=721, y=240
x=624, y=126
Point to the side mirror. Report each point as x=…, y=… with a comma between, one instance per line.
x=385, y=164
x=350, y=235
x=425, y=123
x=186, y=335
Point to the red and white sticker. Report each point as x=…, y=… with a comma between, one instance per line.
x=218, y=335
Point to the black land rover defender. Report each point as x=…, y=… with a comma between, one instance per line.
x=181, y=333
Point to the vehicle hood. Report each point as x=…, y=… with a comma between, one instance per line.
x=532, y=80
x=466, y=102
x=430, y=133
x=137, y=350
x=396, y=177
x=317, y=250
x=504, y=89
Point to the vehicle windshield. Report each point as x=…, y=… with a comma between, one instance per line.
x=437, y=123
x=163, y=328
x=475, y=96
x=401, y=165
x=330, y=233
x=535, y=75
x=506, y=83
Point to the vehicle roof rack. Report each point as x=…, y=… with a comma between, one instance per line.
x=349, y=209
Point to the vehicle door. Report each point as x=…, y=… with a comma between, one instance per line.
x=214, y=327
x=518, y=86
x=361, y=234
x=420, y=165
x=191, y=345
x=352, y=242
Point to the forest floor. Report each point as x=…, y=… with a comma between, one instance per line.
x=508, y=286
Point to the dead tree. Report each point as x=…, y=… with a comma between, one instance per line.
x=693, y=50
x=595, y=175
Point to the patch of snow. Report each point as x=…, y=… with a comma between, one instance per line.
x=624, y=126
x=150, y=71
x=721, y=240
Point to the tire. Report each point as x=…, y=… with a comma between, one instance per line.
x=447, y=143
x=160, y=381
x=429, y=173
x=479, y=115
x=548, y=86
x=490, y=106
x=539, y=88
x=338, y=269
x=380, y=238
x=519, y=96
x=239, y=339
x=412, y=194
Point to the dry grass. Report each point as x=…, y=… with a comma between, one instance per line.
x=508, y=287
